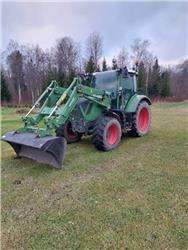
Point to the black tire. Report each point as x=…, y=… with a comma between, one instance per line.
x=65, y=130
x=107, y=133
x=141, y=120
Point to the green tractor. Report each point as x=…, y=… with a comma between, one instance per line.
x=103, y=104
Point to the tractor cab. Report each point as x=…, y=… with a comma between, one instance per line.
x=116, y=82
x=127, y=81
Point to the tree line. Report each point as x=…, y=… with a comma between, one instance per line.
x=26, y=70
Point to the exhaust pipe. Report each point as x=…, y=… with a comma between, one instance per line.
x=49, y=150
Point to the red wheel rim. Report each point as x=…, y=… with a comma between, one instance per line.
x=143, y=119
x=71, y=134
x=112, y=134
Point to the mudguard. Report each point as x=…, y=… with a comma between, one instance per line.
x=134, y=101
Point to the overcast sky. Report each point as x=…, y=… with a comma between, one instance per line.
x=165, y=24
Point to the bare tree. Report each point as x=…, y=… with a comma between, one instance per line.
x=15, y=62
x=179, y=80
x=80, y=59
x=139, y=49
x=94, y=48
x=123, y=58
x=36, y=66
x=28, y=69
x=66, y=54
x=141, y=54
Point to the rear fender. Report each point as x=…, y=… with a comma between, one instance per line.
x=134, y=101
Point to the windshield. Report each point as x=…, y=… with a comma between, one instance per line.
x=106, y=81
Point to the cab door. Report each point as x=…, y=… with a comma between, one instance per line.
x=128, y=86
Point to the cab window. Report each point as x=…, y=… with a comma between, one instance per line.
x=127, y=83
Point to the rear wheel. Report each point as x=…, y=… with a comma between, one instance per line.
x=106, y=134
x=141, y=120
x=65, y=130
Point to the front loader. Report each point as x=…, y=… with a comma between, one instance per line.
x=105, y=109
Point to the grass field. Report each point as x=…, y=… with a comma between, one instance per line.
x=135, y=197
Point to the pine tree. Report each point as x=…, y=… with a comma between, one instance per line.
x=53, y=74
x=154, y=88
x=141, y=77
x=165, y=88
x=5, y=94
x=104, y=65
x=114, y=63
x=90, y=66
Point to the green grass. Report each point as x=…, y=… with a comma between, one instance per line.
x=135, y=197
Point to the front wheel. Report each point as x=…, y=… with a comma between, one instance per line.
x=107, y=133
x=65, y=130
x=141, y=120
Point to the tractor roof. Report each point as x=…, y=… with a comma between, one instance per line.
x=131, y=71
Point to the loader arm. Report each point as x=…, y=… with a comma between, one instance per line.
x=71, y=97
x=58, y=105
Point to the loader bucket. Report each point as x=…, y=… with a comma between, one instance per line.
x=49, y=150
